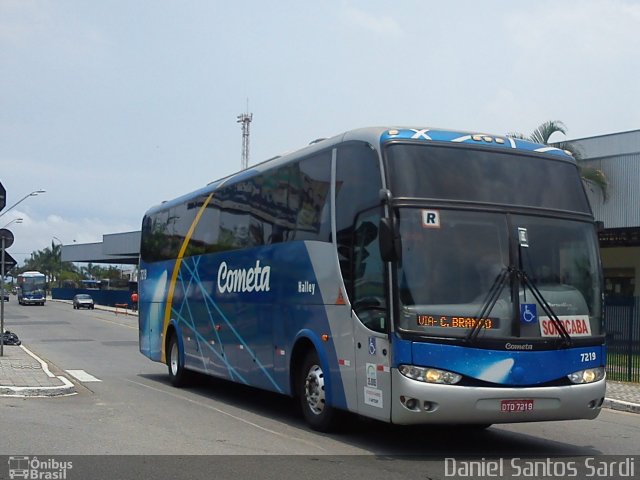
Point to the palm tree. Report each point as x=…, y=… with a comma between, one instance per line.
x=49, y=261
x=589, y=175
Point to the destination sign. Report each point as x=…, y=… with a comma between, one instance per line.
x=452, y=321
x=575, y=325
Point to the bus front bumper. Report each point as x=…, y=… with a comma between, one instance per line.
x=453, y=404
x=28, y=301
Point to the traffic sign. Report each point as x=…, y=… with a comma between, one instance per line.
x=7, y=236
x=9, y=262
x=3, y=197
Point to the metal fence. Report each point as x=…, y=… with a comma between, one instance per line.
x=622, y=323
x=101, y=297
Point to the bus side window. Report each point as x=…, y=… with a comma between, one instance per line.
x=358, y=183
x=311, y=183
x=369, y=293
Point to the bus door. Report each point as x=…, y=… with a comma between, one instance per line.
x=358, y=210
x=370, y=311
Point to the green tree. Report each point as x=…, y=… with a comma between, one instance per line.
x=49, y=261
x=92, y=272
x=543, y=133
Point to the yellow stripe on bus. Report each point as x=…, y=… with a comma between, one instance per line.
x=176, y=270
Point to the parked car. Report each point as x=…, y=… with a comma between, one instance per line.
x=83, y=300
x=5, y=294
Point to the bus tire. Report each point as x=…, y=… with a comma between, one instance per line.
x=311, y=392
x=177, y=373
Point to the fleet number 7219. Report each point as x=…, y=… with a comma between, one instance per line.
x=587, y=357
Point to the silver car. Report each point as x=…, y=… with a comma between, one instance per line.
x=83, y=300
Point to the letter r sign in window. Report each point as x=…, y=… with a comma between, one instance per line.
x=431, y=218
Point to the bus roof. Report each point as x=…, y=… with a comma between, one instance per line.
x=31, y=274
x=377, y=136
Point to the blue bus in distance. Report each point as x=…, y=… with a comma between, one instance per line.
x=32, y=288
x=411, y=275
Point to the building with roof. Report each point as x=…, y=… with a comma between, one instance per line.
x=618, y=156
x=120, y=248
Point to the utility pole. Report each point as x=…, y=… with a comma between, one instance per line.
x=245, y=120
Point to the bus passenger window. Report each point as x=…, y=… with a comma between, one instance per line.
x=369, y=293
x=358, y=183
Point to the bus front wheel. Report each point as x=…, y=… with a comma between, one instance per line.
x=177, y=372
x=311, y=391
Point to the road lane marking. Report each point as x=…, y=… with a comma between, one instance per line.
x=132, y=327
x=235, y=417
x=83, y=376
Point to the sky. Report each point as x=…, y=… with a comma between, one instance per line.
x=114, y=106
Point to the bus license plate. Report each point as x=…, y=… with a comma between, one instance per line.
x=516, y=406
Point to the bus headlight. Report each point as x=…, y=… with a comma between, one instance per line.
x=589, y=375
x=429, y=375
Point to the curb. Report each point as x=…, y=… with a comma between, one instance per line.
x=33, y=392
x=67, y=388
x=621, y=405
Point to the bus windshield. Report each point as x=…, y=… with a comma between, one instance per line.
x=33, y=284
x=446, y=273
x=450, y=173
x=451, y=258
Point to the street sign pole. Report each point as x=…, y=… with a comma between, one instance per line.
x=3, y=196
x=6, y=240
x=3, y=203
x=2, y=300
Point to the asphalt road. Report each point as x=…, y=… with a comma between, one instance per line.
x=133, y=410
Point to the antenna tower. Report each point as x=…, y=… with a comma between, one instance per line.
x=245, y=120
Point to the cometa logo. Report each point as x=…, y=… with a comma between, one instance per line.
x=255, y=279
x=518, y=346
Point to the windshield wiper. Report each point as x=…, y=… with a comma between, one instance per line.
x=565, y=338
x=492, y=298
x=489, y=302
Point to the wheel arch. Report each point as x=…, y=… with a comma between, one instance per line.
x=306, y=342
x=173, y=330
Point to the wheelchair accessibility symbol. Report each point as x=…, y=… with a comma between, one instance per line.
x=528, y=313
x=372, y=345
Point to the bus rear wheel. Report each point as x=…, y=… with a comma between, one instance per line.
x=177, y=373
x=312, y=394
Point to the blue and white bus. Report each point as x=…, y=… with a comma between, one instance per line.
x=409, y=275
x=32, y=288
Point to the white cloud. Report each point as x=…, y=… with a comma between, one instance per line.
x=20, y=21
x=35, y=233
x=50, y=32
x=576, y=31
x=572, y=61
x=376, y=23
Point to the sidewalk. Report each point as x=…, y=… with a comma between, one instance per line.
x=623, y=396
x=23, y=374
